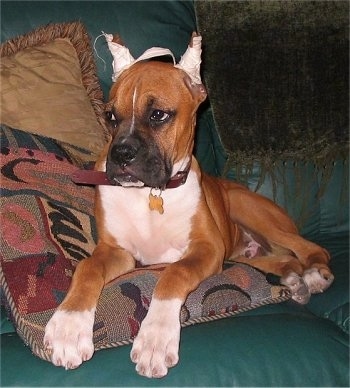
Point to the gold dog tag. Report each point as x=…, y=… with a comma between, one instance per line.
x=156, y=202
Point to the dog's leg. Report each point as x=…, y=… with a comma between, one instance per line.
x=155, y=349
x=69, y=333
x=265, y=218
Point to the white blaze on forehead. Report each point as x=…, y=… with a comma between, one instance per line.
x=132, y=125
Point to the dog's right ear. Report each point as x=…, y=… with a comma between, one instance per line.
x=121, y=54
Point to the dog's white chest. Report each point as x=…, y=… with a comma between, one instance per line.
x=149, y=236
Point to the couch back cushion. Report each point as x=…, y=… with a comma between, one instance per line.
x=141, y=24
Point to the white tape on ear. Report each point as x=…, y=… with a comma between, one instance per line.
x=190, y=61
x=122, y=58
x=155, y=52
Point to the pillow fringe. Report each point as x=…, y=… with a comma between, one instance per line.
x=78, y=36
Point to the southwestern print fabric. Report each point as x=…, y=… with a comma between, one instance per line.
x=47, y=226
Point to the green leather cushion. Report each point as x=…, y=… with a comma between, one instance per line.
x=283, y=349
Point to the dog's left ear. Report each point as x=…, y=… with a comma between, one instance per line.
x=190, y=63
x=198, y=91
x=191, y=60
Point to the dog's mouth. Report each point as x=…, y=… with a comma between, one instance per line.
x=124, y=177
x=136, y=176
x=133, y=161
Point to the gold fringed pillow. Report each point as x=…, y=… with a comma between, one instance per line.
x=49, y=86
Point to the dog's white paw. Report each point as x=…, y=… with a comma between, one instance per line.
x=68, y=337
x=156, y=347
x=300, y=290
x=317, y=281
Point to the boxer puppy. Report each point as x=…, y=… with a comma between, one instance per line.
x=155, y=205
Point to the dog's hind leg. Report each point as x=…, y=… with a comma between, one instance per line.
x=69, y=333
x=264, y=218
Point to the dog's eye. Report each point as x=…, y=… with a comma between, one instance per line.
x=159, y=116
x=111, y=119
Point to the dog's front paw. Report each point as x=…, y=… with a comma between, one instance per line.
x=156, y=347
x=318, y=280
x=68, y=337
x=300, y=290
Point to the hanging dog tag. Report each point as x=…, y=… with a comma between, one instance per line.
x=156, y=202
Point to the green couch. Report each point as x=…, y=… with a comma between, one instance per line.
x=276, y=345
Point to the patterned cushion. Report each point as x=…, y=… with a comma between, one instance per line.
x=48, y=226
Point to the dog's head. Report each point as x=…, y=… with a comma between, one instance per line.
x=152, y=115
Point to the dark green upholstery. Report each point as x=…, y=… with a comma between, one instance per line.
x=276, y=345
x=280, y=349
x=141, y=25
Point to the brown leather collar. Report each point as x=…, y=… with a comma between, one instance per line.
x=95, y=178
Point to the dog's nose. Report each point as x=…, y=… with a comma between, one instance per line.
x=124, y=152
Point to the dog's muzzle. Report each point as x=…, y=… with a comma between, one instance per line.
x=132, y=161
